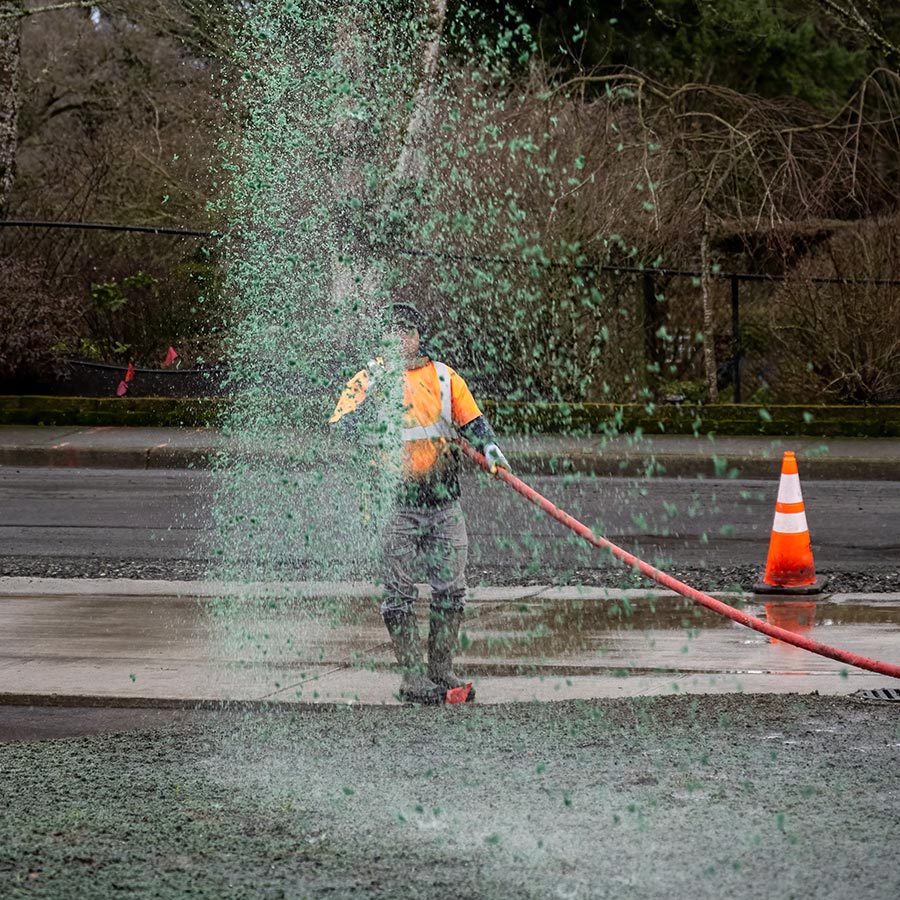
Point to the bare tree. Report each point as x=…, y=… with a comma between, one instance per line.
x=711, y=162
x=12, y=12
x=117, y=121
x=866, y=18
x=199, y=25
x=202, y=27
x=841, y=338
x=10, y=37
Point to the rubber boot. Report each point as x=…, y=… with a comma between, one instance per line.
x=415, y=687
x=443, y=635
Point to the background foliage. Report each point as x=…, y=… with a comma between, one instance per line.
x=604, y=135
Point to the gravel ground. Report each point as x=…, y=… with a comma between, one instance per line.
x=872, y=580
x=677, y=797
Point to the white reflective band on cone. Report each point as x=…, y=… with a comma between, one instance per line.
x=789, y=489
x=790, y=523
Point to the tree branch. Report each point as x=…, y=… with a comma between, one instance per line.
x=23, y=12
x=849, y=12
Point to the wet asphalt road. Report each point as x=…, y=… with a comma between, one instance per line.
x=89, y=522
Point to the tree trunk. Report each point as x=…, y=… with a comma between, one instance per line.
x=709, y=325
x=356, y=271
x=410, y=161
x=10, y=30
x=353, y=269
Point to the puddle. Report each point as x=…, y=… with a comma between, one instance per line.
x=554, y=648
x=641, y=634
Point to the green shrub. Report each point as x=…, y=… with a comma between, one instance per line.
x=37, y=326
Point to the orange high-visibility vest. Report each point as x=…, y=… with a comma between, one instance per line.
x=436, y=401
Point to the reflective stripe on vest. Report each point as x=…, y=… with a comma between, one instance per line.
x=443, y=428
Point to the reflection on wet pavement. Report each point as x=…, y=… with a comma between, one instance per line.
x=797, y=616
x=673, y=634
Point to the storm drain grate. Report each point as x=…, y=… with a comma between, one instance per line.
x=890, y=694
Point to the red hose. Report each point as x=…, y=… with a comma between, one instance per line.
x=723, y=609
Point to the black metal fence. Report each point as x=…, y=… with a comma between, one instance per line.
x=646, y=276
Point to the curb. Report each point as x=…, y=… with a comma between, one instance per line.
x=99, y=701
x=105, y=458
x=601, y=465
x=18, y=585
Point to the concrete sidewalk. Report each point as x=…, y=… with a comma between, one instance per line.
x=151, y=644
x=659, y=455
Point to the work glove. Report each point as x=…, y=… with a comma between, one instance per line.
x=496, y=460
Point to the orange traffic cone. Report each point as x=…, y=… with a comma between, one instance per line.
x=790, y=568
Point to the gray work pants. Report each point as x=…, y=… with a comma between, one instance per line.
x=437, y=539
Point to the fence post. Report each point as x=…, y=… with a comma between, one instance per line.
x=735, y=340
x=651, y=325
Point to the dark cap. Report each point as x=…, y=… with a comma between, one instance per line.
x=407, y=314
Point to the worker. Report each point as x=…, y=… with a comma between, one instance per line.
x=427, y=523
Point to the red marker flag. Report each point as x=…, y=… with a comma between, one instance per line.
x=171, y=356
x=460, y=694
x=122, y=389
